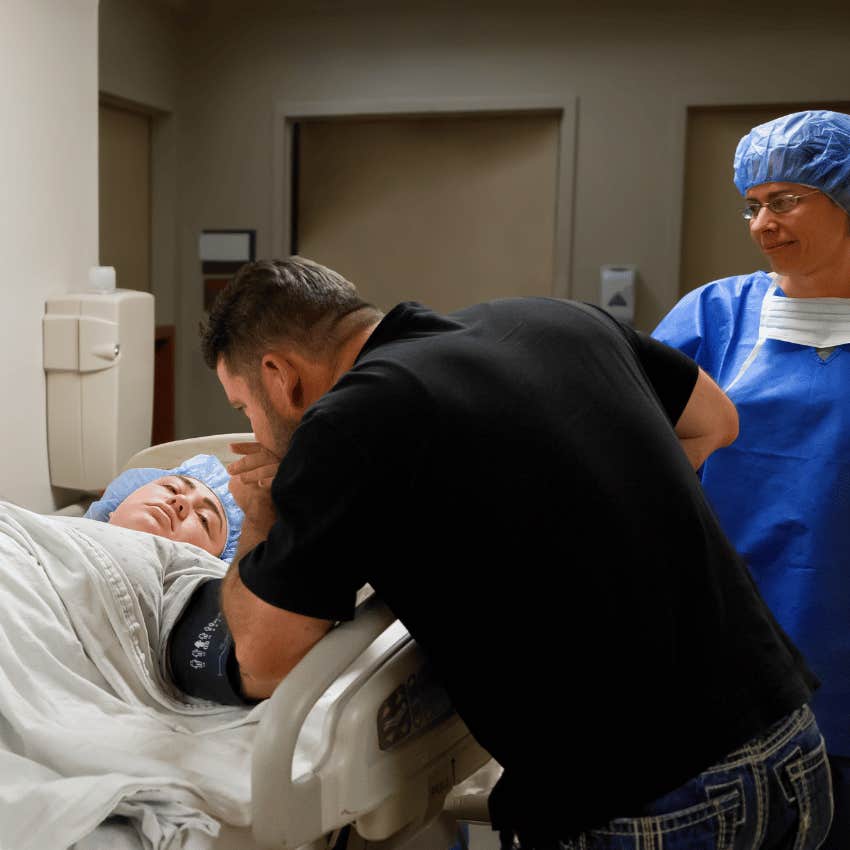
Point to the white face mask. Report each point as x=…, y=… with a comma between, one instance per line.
x=815, y=322
x=818, y=322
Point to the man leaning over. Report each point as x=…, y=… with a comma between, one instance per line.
x=514, y=473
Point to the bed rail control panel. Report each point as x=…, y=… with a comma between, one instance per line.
x=392, y=792
x=414, y=707
x=98, y=360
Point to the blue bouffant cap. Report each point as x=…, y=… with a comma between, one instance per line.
x=811, y=148
x=207, y=469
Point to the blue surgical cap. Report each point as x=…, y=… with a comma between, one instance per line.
x=205, y=468
x=811, y=148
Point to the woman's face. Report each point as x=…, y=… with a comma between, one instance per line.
x=810, y=238
x=177, y=507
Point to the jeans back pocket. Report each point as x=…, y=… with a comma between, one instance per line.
x=805, y=778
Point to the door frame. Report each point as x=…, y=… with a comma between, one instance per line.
x=288, y=113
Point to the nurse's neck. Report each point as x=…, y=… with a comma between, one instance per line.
x=828, y=281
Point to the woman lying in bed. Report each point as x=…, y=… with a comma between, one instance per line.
x=107, y=639
x=188, y=504
x=98, y=624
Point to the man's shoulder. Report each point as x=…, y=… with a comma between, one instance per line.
x=373, y=405
x=412, y=321
x=537, y=305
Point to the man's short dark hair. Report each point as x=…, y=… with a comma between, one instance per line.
x=269, y=302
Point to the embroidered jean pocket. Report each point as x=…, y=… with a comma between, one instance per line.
x=710, y=825
x=805, y=781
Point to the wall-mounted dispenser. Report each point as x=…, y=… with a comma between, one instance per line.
x=617, y=289
x=98, y=359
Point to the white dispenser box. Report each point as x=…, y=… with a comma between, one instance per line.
x=617, y=291
x=98, y=359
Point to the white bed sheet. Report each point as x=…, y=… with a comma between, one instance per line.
x=89, y=727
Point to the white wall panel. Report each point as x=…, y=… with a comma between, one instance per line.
x=48, y=212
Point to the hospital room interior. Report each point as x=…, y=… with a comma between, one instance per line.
x=439, y=152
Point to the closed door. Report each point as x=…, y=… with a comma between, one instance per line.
x=125, y=236
x=448, y=211
x=125, y=195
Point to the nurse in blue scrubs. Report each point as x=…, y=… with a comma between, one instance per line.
x=779, y=343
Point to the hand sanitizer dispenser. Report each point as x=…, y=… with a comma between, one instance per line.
x=98, y=359
x=617, y=289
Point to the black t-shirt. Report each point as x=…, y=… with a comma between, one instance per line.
x=508, y=479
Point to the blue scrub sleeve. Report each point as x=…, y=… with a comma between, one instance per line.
x=683, y=327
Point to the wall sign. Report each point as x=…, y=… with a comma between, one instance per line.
x=222, y=254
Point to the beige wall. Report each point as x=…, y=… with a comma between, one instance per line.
x=139, y=51
x=48, y=212
x=139, y=57
x=634, y=71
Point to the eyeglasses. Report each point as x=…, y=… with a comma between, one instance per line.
x=779, y=204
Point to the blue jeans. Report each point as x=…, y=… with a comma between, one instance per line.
x=839, y=835
x=773, y=793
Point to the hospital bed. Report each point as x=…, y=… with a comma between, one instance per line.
x=359, y=733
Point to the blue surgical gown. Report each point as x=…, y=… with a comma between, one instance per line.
x=782, y=489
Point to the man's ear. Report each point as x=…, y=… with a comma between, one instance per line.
x=282, y=381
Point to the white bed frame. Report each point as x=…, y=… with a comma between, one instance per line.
x=393, y=748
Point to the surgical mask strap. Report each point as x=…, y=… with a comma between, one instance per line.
x=759, y=342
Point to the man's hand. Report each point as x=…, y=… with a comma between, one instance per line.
x=250, y=482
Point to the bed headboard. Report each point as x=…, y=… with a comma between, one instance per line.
x=169, y=455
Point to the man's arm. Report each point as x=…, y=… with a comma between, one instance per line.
x=269, y=641
x=703, y=417
x=708, y=422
